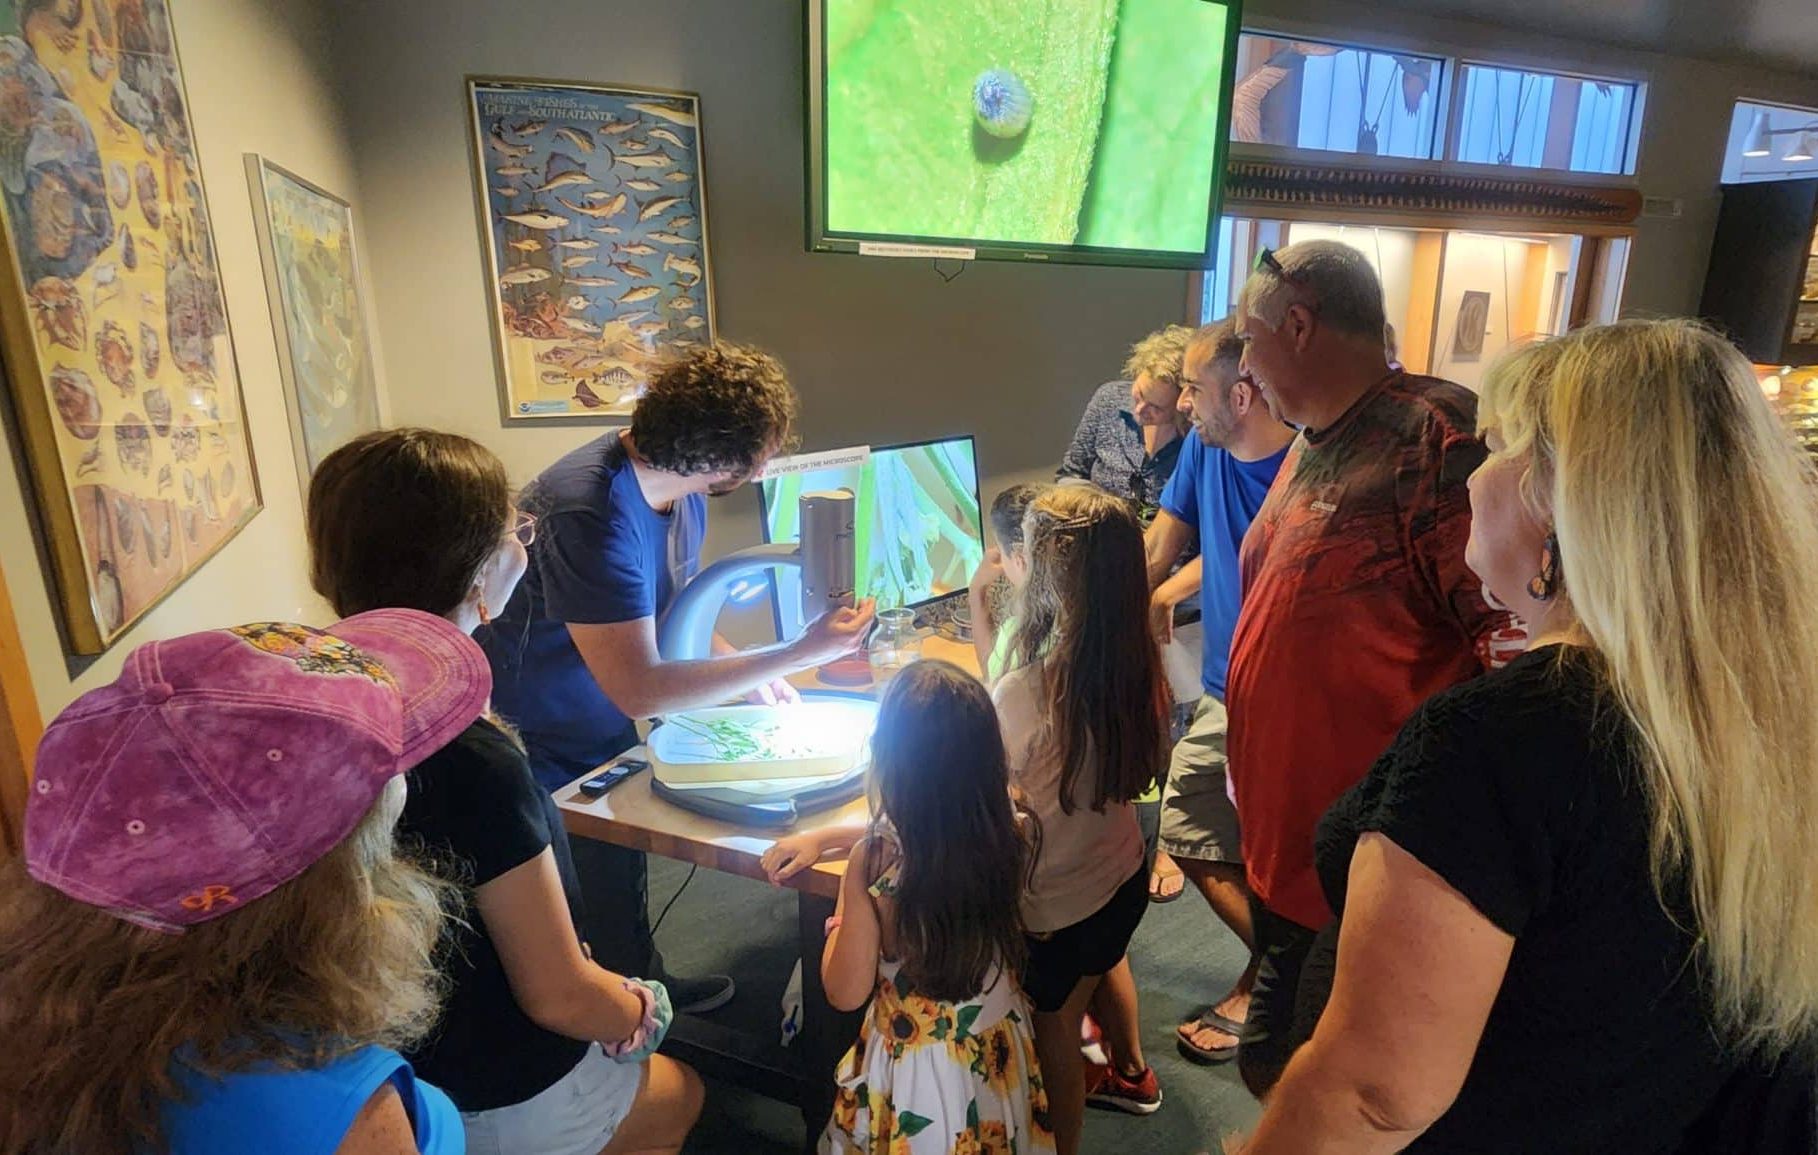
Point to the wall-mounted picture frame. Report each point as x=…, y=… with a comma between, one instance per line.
x=113, y=325
x=1473, y=323
x=318, y=311
x=593, y=221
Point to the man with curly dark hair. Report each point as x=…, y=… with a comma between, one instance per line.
x=574, y=653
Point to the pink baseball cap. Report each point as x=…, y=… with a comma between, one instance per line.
x=220, y=765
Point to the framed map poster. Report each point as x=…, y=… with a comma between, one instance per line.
x=594, y=224
x=113, y=325
x=318, y=309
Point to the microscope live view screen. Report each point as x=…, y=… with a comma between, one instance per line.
x=1082, y=124
x=916, y=520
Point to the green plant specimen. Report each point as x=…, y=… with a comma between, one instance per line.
x=730, y=741
x=752, y=737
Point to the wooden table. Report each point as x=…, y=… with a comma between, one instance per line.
x=631, y=816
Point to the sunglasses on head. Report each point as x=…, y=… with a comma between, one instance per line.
x=1267, y=260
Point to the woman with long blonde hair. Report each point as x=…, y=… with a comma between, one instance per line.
x=1577, y=906
x=209, y=946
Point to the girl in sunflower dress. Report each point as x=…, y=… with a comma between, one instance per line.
x=927, y=928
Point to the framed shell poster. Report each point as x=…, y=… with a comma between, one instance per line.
x=1473, y=322
x=312, y=281
x=115, y=334
x=594, y=224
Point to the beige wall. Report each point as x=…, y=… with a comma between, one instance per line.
x=881, y=350
x=258, y=82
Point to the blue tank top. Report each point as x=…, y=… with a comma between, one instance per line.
x=277, y=1112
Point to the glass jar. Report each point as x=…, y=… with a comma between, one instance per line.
x=895, y=643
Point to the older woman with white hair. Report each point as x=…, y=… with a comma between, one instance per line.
x=1577, y=905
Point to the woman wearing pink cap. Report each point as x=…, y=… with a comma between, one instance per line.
x=209, y=946
x=543, y=1051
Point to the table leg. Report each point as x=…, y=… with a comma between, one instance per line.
x=826, y=1033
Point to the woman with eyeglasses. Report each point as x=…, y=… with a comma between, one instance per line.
x=542, y=1050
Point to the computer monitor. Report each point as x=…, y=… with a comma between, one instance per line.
x=918, y=525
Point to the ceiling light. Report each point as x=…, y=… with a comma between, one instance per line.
x=1804, y=146
x=1756, y=144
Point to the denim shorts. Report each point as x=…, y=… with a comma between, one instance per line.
x=576, y=1116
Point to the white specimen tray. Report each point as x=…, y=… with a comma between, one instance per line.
x=753, y=746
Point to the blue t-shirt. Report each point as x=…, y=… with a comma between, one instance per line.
x=278, y=1112
x=601, y=556
x=1218, y=495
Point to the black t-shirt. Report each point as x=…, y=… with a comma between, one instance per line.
x=1521, y=789
x=474, y=807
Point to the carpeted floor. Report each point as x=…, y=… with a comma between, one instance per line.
x=1182, y=955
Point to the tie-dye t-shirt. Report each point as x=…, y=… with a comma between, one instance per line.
x=1357, y=607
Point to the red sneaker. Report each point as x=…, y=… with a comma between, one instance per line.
x=1107, y=1087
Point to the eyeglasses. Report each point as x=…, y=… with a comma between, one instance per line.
x=524, y=528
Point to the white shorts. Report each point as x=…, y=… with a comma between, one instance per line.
x=576, y=1116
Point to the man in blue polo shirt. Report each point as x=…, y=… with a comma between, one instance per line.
x=574, y=653
x=1223, y=474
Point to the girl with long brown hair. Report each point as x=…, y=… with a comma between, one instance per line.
x=1085, y=724
x=927, y=928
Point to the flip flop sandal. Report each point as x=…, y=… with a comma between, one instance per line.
x=1218, y=1022
x=1162, y=878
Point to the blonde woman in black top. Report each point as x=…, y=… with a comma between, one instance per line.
x=1576, y=900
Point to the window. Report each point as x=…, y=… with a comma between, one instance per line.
x=1771, y=142
x=1544, y=120
x=1217, y=287
x=1337, y=97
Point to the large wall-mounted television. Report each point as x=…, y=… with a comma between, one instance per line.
x=1079, y=131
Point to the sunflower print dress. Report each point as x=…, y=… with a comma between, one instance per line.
x=936, y=1078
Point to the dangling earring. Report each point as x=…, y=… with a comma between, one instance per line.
x=485, y=615
x=1544, y=586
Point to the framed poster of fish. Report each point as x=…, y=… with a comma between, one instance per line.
x=594, y=223
x=318, y=309
x=113, y=325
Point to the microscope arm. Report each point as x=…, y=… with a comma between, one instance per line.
x=686, y=630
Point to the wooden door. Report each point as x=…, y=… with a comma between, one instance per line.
x=20, y=727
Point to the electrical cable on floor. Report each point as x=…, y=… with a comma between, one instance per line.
x=678, y=893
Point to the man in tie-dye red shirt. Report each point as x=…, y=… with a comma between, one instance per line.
x=1357, y=604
